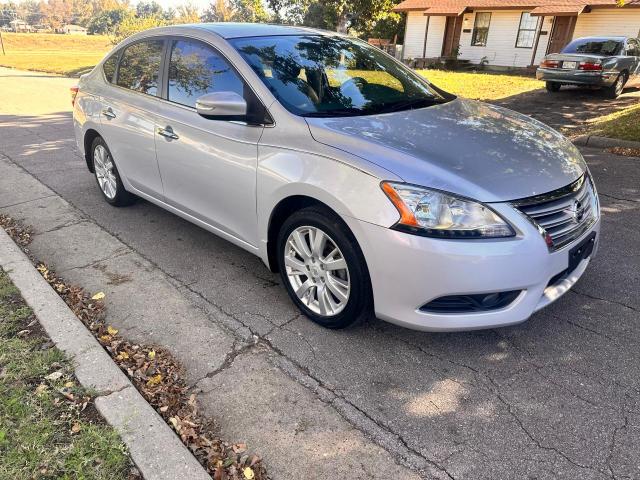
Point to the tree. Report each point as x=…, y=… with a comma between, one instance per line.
x=107, y=21
x=220, y=11
x=187, y=13
x=133, y=24
x=249, y=11
x=148, y=8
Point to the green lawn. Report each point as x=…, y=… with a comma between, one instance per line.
x=624, y=125
x=481, y=86
x=48, y=427
x=69, y=55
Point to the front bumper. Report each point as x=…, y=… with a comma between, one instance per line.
x=576, y=77
x=408, y=271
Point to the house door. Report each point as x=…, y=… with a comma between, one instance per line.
x=452, y=31
x=561, y=33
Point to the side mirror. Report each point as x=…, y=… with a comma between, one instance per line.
x=222, y=106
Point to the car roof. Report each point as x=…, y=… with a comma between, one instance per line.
x=236, y=30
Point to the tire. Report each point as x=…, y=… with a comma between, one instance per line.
x=107, y=176
x=615, y=90
x=553, y=86
x=318, y=274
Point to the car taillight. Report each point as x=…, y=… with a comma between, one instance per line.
x=550, y=64
x=590, y=66
x=74, y=92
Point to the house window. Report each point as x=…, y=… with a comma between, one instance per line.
x=481, y=29
x=527, y=30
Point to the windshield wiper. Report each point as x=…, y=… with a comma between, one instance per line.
x=410, y=104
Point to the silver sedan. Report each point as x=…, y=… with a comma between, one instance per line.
x=369, y=189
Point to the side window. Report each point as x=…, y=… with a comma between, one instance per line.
x=139, y=67
x=109, y=67
x=481, y=29
x=196, y=69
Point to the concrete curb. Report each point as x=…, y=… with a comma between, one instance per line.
x=154, y=448
x=603, y=142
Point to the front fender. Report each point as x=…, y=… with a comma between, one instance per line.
x=351, y=193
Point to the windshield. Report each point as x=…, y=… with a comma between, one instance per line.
x=323, y=76
x=594, y=46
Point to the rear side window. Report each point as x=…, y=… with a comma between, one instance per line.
x=196, y=69
x=109, y=67
x=139, y=68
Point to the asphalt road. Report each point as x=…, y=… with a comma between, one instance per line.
x=555, y=397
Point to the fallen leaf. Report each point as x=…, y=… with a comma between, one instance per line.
x=248, y=473
x=111, y=330
x=53, y=376
x=155, y=380
x=152, y=354
x=98, y=296
x=164, y=409
x=123, y=356
x=69, y=384
x=40, y=389
x=23, y=333
x=75, y=428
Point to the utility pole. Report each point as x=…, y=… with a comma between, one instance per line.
x=2, y=43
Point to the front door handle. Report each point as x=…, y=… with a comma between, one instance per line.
x=168, y=132
x=108, y=112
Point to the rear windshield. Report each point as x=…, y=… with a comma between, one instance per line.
x=594, y=46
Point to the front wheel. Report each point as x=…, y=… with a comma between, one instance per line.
x=552, y=86
x=615, y=90
x=323, y=269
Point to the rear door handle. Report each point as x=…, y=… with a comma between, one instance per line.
x=168, y=132
x=108, y=112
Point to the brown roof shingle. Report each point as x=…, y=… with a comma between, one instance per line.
x=453, y=5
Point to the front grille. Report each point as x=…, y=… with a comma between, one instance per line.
x=564, y=214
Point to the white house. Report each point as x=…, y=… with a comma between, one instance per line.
x=509, y=33
x=71, y=29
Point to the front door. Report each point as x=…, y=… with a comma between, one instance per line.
x=561, y=33
x=452, y=31
x=208, y=167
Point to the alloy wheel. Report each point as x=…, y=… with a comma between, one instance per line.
x=317, y=271
x=104, y=168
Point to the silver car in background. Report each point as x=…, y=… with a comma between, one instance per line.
x=369, y=189
x=610, y=63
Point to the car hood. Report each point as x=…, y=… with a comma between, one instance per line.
x=465, y=147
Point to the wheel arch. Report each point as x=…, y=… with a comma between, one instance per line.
x=283, y=209
x=89, y=136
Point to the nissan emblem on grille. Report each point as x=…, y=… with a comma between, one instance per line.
x=564, y=214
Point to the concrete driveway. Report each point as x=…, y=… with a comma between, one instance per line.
x=556, y=397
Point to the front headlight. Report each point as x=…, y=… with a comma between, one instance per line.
x=436, y=214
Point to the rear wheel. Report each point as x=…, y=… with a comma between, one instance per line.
x=323, y=269
x=615, y=90
x=553, y=86
x=107, y=175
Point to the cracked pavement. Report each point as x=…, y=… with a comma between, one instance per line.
x=555, y=397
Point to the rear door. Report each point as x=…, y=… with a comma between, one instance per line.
x=208, y=167
x=128, y=115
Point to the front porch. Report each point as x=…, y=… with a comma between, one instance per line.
x=503, y=38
